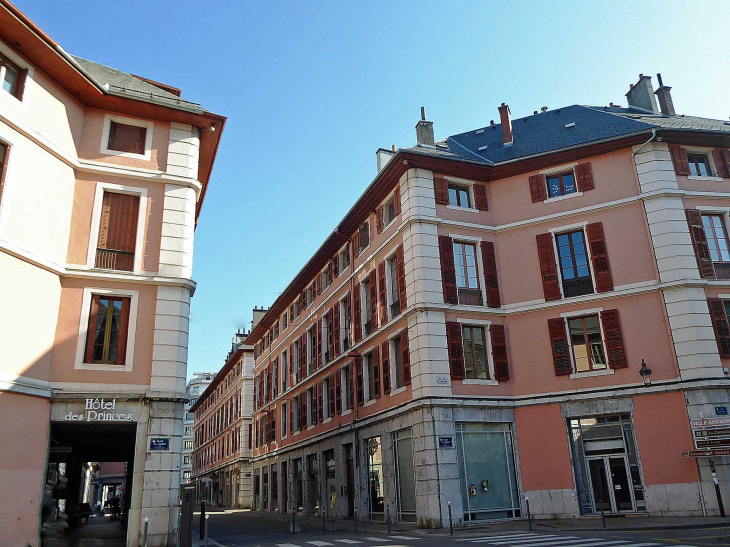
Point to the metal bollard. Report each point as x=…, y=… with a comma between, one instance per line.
x=206, y=530
x=356, y=520
x=451, y=522
x=324, y=520
x=529, y=515
x=146, y=524
x=387, y=516
x=202, y=519
x=294, y=521
x=603, y=515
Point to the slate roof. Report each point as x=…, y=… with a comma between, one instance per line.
x=547, y=132
x=121, y=83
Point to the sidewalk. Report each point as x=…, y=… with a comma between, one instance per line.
x=585, y=524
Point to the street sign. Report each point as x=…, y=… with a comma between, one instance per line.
x=159, y=443
x=719, y=432
x=713, y=443
x=710, y=422
x=704, y=453
x=721, y=410
x=446, y=442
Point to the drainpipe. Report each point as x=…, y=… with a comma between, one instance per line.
x=653, y=136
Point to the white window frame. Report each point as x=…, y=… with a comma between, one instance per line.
x=487, y=325
x=108, y=119
x=340, y=265
x=325, y=347
x=366, y=376
x=310, y=343
x=589, y=373
x=29, y=81
x=391, y=365
x=343, y=390
x=557, y=171
x=477, y=241
x=342, y=303
x=310, y=400
x=84, y=327
x=370, y=238
x=326, y=400
x=470, y=188
x=390, y=197
x=285, y=370
x=295, y=361
x=324, y=275
x=363, y=307
x=101, y=187
x=708, y=153
x=389, y=284
x=555, y=232
x=284, y=420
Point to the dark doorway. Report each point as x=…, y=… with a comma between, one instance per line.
x=88, y=489
x=350, y=480
x=284, y=487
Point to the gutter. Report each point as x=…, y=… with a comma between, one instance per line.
x=653, y=136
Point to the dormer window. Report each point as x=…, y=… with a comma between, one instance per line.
x=561, y=184
x=699, y=165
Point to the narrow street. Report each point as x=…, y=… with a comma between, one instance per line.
x=243, y=529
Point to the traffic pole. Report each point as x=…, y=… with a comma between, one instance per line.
x=529, y=515
x=387, y=516
x=146, y=524
x=451, y=522
x=355, y=520
x=206, y=530
x=202, y=519
x=717, y=487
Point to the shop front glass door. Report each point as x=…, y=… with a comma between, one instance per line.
x=601, y=487
x=375, y=476
x=405, y=475
x=610, y=484
x=620, y=482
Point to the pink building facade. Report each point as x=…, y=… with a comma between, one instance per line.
x=103, y=176
x=529, y=312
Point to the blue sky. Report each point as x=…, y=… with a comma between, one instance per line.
x=312, y=89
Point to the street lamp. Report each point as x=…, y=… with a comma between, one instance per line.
x=645, y=372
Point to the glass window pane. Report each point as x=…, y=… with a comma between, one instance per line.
x=577, y=339
x=468, y=351
x=10, y=82
x=568, y=183
x=563, y=240
x=453, y=199
x=464, y=198
x=480, y=354
x=554, y=186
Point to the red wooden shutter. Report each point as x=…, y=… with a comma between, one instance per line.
x=720, y=326
x=385, y=351
x=300, y=358
x=314, y=403
x=559, y=343
x=584, y=174
x=396, y=200
x=722, y=161
x=338, y=391
x=441, y=190
x=330, y=335
x=355, y=246
x=374, y=299
x=480, y=197
x=331, y=401
x=335, y=266
x=538, y=191
x=91, y=332
x=499, y=352
x=358, y=371
x=599, y=257
x=400, y=268
x=379, y=219
x=405, y=357
x=356, y=314
x=320, y=398
x=336, y=327
x=383, y=294
x=291, y=414
x=699, y=243
x=548, y=267
x=614, y=340
x=448, y=270
x=320, y=359
x=679, y=159
x=330, y=270
x=456, y=350
x=491, y=279
x=315, y=346
x=376, y=371
x=303, y=412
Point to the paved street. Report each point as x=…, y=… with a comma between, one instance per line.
x=244, y=529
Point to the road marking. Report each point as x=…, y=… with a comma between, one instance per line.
x=348, y=541
x=538, y=541
x=591, y=542
x=287, y=545
x=644, y=544
x=519, y=540
x=377, y=539
x=498, y=537
x=403, y=537
x=319, y=543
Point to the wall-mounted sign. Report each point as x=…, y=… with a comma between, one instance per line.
x=721, y=410
x=446, y=442
x=704, y=453
x=710, y=422
x=442, y=380
x=472, y=490
x=719, y=432
x=98, y=410
x=712, y=443
x=159, y=443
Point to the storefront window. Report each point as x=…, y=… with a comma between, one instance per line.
x=487, y=471
x=274, y=488
x=313, y=486
x=298, y=485
x=256, y=490
x=375, y=474
x=265, y=488
x=405, y=475
x=329, y=461
x=606, y=465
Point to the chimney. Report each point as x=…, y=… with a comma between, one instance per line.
x=424, y=130
x=506, y=117
x=665, y=98
x=641, y=95
x=383, y=156
x=257, y=315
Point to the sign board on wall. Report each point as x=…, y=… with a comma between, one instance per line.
x=710, y=422
x=705, y=453
x=159, y=443
x=446, y=442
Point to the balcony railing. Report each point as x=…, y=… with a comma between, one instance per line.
x=722, y=270
x=470, y=297
x=577, y=287
x=109, y=259
x=395, y=308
